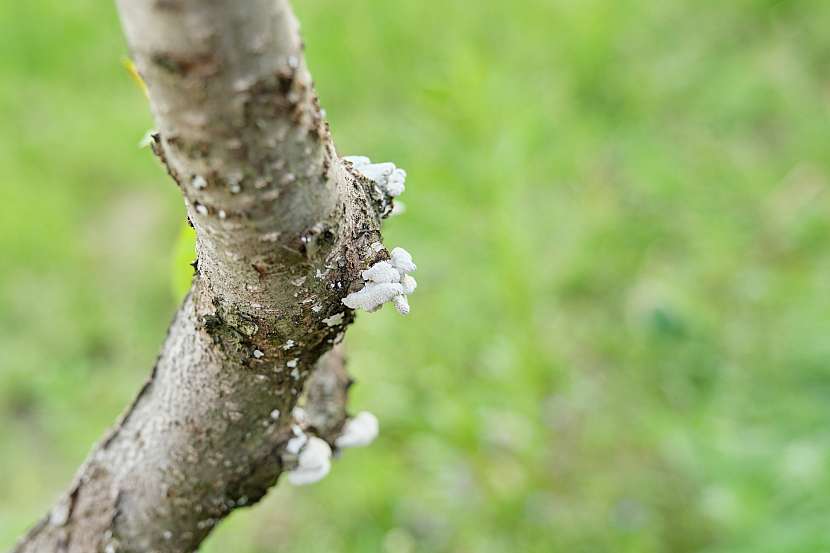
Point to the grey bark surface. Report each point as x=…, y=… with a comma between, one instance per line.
x=284, y=228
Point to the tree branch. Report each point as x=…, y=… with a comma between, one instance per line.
x=284, y=229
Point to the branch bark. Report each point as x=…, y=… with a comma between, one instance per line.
x=284, y=228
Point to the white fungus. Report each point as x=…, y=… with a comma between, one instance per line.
x=296, y=443
x=389, y=178
x=334, y=320
x=60, y=513
x=401, y=304
x=385, y=281
x=258, y=354
x=408, y=283
x=357, y=161
x=358, y=431
x=299, y=415
x=147, y=139
x=288, y=345
x=382, y=271
x=402, y=261
x=313, y=463
x=398, y=209
x=275, y=414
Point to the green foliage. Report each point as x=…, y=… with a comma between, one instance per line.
x=619, y=210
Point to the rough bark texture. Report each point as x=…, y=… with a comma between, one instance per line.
x=284, y=227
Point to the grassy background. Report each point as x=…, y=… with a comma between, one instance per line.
x=621, y=218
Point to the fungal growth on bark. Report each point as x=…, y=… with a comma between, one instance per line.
x=359, y=431
x=386, y=281
x=251, y=379
x=389, y=178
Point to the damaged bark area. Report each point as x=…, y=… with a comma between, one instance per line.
x=284, y=229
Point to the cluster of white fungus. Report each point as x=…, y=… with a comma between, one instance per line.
x=314, y=454
x=385, y=281
x=313, y=461
x=359, y=431
x=389, y=178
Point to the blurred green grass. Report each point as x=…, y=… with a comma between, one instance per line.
x=620, y=215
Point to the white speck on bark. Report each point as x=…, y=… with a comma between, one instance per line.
x=334, y=320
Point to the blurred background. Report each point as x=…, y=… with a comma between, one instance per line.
x=620, y=214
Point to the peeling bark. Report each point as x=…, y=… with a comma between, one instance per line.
x=284, y=228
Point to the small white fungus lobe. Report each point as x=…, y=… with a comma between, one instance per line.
x=398, y=209
x=389, y=178
x=299, y=415
x=360, y=430
x=60, y=513
x=313, y=462
x=334, y=320
x=382, y=271
x=385, y=281
x=296, y=443
x=198, y=182
x=147, y=139
x=402, y=261
x=401, y=304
